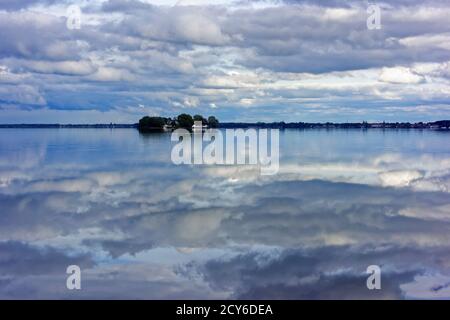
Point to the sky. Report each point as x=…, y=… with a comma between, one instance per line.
x=238, y=60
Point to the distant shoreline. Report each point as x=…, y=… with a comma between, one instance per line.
x=436, y=125
x=66, y=126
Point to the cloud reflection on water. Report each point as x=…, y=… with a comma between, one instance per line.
x=140, y=227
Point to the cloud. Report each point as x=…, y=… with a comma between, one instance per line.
x=78, y=68
x=400, y=75
x=21, y=94
x=111, y=74
x=14, y=5
x=313, y=274
x=16, y=256
x=33, y=35
x=400, y=178
x=428, y=287
x=265, y=60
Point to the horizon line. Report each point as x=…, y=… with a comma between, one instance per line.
x=230, y=123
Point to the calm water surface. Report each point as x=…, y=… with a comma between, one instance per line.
x=112, y=202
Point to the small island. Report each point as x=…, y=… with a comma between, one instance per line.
x=185, y=121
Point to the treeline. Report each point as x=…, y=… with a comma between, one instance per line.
x=440, y=125
x=184, y=120
x=69, y=126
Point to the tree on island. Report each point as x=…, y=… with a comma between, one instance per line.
x=185, y=121
x=198, y=117
x=443, y=123
x=213, y=122
x=151, y=124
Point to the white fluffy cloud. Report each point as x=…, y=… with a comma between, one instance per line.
x=400, y=75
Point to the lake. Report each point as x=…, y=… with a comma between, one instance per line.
x=139, y=227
